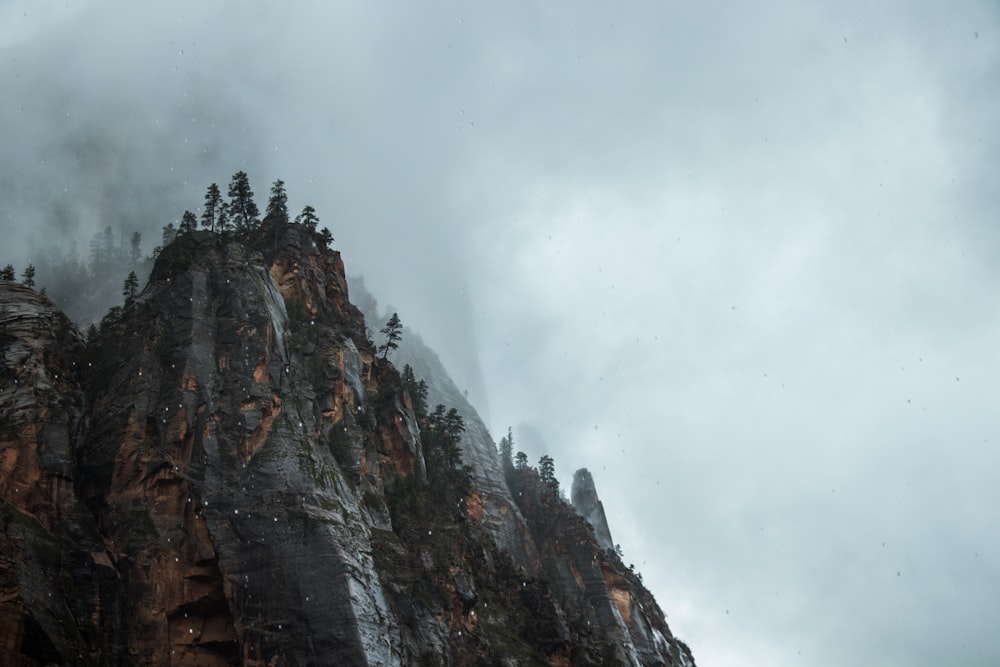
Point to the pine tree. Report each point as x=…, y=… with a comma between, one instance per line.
x=189, y=223
x=241, y=205
x=547, y=472
x=130, y=288
x=325, y=238
x=225, y=224
x=8, y=273
x=520, y=460
x=212, y=210
x=308, y=218
x=417, y=391
x=506, y=451
x=277, y=205
x=392, y=334
x=28, y=277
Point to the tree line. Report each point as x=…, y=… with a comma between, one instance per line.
x=240, y=215
x=84, y=287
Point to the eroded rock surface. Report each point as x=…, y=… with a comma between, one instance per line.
x=585, y=501
x=227, y=474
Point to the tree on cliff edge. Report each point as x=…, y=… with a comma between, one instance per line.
x=189, y=223
x=392, y=334
x=547, y=472
x=29, y=275
x=241, y=205
x=308, y=218
x=8, y=273
x=212, y=210
x=277, y=205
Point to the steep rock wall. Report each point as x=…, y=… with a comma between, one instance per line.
x=228, y=474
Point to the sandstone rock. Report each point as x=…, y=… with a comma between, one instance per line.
x=227, y=474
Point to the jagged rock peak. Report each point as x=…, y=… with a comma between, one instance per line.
x=585, y=501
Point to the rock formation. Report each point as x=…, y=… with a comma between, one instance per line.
x=226, y=474
x=585, y=501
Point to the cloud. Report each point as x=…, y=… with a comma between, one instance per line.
x=737, y=260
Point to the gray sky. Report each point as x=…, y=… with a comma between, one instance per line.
x=738, y=259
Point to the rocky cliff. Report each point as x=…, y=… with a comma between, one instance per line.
x=228, y=474
x=584, y=498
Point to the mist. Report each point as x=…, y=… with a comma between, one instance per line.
x=737, y=260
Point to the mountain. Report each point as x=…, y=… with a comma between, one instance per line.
x=229, y=473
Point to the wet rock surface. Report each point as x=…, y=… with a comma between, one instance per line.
x=227, y=474
x=584, y=498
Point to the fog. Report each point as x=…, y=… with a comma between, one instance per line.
x=739, y=260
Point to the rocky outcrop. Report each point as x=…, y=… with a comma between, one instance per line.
x=226, y=473
x=59, y=586
x=584, y=498
x=595, y=586
x=500, y=513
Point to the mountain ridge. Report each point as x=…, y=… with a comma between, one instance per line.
x=236, y=477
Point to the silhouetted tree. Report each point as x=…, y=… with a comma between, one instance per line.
x=392, y=334
x=241, y=205
x=520, y=460
x=547, y=472
x=8, y=273
x=28, y=277
x=189, y=223
x=130, y=288
x=506, y=451
x=277, y=205
x=213, y=209
x=225, y=220
x=325, y=238
x=308, y=218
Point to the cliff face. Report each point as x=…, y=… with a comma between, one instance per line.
x=585, y=501
x=226, y=474
x=60, y=592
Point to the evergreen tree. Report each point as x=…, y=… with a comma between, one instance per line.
x=520, y=460
x=325, y=238
x=277, y=205
x=308, y=218
x=392, y=334
x=189, y=223
x=8, y=273
x=547, y=472
x=417, y=391
x=454, y=424
x=212, y=210
x=225, y=222
x=506, y=451
x=130, y=289
x=28, y=277
x=136, y=251
x=241, y=205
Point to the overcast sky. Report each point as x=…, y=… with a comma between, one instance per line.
x=739, y=259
